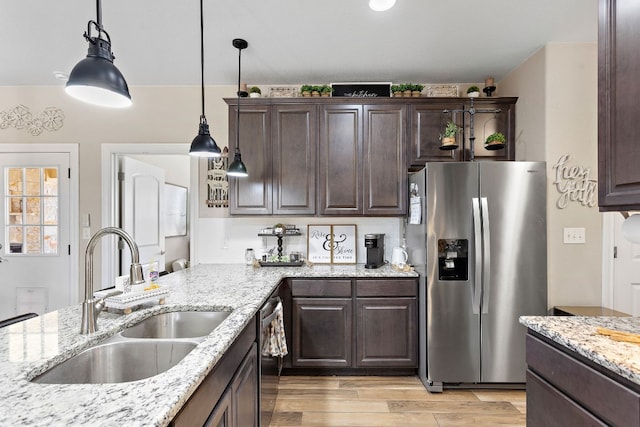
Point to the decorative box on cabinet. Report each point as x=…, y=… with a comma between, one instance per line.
x=618, y=106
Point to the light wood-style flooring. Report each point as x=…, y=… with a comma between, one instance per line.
x=391, y=401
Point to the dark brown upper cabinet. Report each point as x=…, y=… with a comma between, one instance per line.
x=618, y=105
x=429, y=117
x=278, y=143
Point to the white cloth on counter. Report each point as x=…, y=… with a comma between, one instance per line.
x=276, y=344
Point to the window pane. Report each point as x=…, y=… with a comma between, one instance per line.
x=15, y=240
x=50, y=210
x=51, y=181
x=33, y=210
x=33, y=181
x=50, y=240
x=32, y=199
x=15, y=205
x=33, y=240
x=14, y=187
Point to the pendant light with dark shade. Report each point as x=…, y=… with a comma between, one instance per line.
x=95, y=79
x=237, y=168
x=203, y=144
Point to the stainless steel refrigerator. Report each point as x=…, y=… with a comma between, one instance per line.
x=477, y=236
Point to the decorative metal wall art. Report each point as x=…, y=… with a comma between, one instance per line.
x=217, y=181
x=574, y=183
x=19, y=117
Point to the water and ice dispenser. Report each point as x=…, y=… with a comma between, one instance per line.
x=453, y=259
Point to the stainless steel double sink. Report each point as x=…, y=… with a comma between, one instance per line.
x=141, y=351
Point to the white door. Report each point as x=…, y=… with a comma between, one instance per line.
x=142, y=199
x=35, y=272
x=626, y=271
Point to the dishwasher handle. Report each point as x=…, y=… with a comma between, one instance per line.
x=268, y=311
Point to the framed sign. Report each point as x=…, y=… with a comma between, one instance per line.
x=361, y=90
x=331, y=244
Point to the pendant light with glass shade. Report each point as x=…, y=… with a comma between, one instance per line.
x=238, y=168
x=203, y=144
x=95, y=79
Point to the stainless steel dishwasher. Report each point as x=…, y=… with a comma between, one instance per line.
x=270, y=367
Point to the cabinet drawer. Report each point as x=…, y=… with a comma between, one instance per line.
x=387, y=288
x=546, y=406
x=607, y=399
x=321, y=288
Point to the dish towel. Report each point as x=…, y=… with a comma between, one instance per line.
x=276, y=345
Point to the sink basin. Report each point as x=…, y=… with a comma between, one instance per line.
x=179, y=324
x=118, y=362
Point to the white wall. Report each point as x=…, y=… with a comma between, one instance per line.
x=557, y=115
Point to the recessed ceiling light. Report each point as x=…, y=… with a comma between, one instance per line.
x=381, y=5
x=61, y=75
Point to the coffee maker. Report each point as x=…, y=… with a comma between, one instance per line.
x=375, y=250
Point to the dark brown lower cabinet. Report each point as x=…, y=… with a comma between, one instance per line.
x=229, y=394
x=565, y=390
x=355, y=324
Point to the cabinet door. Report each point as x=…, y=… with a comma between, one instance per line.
x=252, y=194
x=244, y=389
x=486, y=122
x=385, y=171
x=428, y=121
x=386, y=332
x=322, y=332
x=221, y=415
x=340, y=174
x=294, y=159
x=618, y=106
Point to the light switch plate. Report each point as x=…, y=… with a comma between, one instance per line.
x=86, y=233
x=574, y=235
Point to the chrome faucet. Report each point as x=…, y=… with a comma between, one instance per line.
x=91, y=307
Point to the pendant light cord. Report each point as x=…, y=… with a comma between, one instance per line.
x=238, y=108
x=202, y=117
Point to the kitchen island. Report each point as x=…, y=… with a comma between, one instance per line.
x=31, y=347
x=576, y=376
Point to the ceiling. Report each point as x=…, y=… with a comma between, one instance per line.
x=156, y=42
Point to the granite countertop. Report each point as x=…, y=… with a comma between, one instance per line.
x=31, y=347
x=578, y=334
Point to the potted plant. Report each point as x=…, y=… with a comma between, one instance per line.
x=495, y=140
x=315, y=91
x=254, y=92
x=448, y=137
x=305, y=90
x=473, y=92
x=416, y=90
x=406, y=89
x=395, y=89
x=325, y=90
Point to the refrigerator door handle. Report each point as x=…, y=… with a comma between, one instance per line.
x=486, y=254
x=477, y=235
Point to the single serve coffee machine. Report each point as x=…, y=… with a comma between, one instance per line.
x=375, y=250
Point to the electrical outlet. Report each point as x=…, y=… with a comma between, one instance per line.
x=574, y=235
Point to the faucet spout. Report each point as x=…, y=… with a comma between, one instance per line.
x=91, y=307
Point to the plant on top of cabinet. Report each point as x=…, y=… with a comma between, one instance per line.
x=416, y=90
x=326, y=90
x=495, y=141
x=448, y=137
x=473, y=92
x=254, y=92
x=305, y=90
